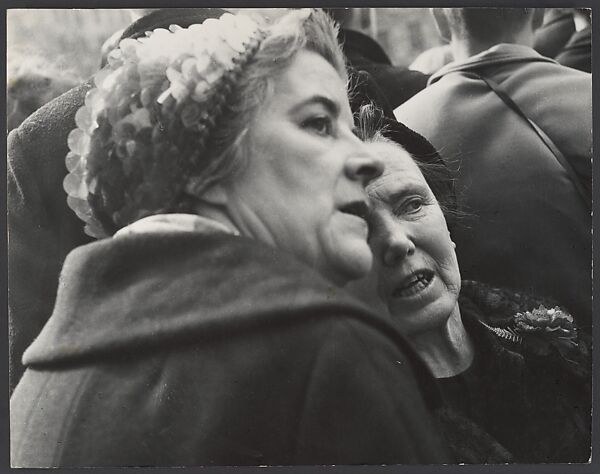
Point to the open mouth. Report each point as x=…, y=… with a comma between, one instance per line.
x=414, y=284
x=356, y=208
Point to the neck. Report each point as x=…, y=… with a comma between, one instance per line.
x=464, y=48
x=448, y=350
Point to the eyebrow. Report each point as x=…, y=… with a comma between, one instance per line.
x=395, y=196
x=331, y=106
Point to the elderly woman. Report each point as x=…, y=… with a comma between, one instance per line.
x=511, y=372
x=220, y=167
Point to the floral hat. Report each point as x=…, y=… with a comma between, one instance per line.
x=142, y=131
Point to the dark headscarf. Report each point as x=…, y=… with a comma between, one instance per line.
x=434, y=169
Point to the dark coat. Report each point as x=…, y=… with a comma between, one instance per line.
x=526, y=225
x=557, y=38
x=551, y=37
x=522, y=400
x=42, y=229
x=397, y=83
x=577, y=53
x=183, y=350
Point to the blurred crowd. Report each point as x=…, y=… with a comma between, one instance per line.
x=33, y=80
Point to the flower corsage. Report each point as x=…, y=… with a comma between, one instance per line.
x=543, y=329
x=552, y=332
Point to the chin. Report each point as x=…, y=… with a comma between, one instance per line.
x=413, y=327
x=429, y=319
x=345, y=257
x=356, y=264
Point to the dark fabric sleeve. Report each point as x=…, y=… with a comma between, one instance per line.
x=325, y=390
x=550, y=38
x=41, y=227
x=363, y=404
x=31, y=247
x=577, y=53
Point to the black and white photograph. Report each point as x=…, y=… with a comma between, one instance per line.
x=284, y=236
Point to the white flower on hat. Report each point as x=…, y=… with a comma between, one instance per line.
x=178, y=68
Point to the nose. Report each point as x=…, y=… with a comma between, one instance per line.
x=363, y=166
x=397, y=246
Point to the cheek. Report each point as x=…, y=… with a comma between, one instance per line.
x=296, y=176
x=438, y=244
x=447, y=263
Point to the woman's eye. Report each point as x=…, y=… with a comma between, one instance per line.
x=411, y=206
x=321, y=125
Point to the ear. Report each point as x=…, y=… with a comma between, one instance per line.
x=442, y=24
x=537, y=18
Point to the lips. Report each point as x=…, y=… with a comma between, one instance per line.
x=413, y=284
x=356, y=208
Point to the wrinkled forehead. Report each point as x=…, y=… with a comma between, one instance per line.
x=400, y=170
x=396, y=159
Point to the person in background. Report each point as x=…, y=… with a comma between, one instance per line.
x=513, y=372
x=432, y=59
x=577, y=53
x=42, y=229
x=398, y=84
x=220, y=168
x=557, y=27
x=566, y=36
x=530, y=210
x=563, y=33
x=32, y=82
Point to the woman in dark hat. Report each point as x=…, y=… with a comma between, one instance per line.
x=512, y=372
x=219, y=167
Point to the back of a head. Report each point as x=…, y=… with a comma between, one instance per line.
x=31, y=82
x=490, y=25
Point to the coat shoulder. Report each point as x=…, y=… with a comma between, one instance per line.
x=56, y=115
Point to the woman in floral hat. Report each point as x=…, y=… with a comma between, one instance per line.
x=219, y=167
x=513, y=374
